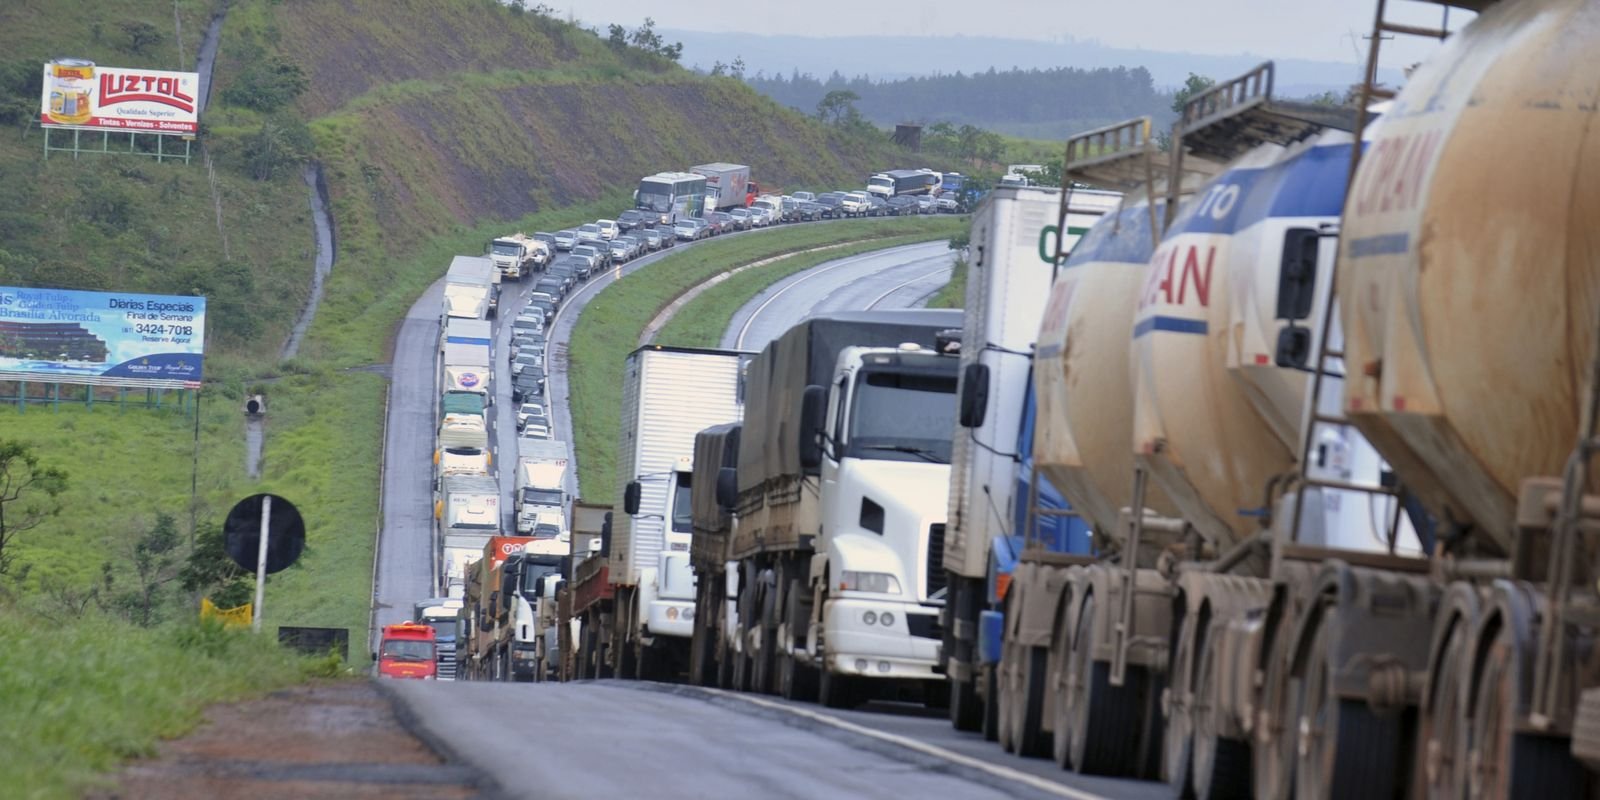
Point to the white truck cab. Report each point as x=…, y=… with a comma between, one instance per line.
x=884, y=453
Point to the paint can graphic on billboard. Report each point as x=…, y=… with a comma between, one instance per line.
x=70, y=84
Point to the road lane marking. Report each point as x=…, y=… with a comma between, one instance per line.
x=1004, y=773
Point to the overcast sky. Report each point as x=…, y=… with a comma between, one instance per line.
x=1312, y=29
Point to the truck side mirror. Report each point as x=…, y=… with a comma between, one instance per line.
x=631, y=497
x=605, y=536
x=974, y=395
x=566, y=567
x=508, y=585
x=728, y=488
x=1297, y=273
x=538, y=587
x=813, y=412
x=1294, y=348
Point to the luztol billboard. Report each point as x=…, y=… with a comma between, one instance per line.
x=82, y=94
x=113, y=338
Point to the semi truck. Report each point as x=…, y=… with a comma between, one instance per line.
x=523, y=591
x=541, y=487
x=466, y=515
x=440, y=613
x=1008, y=282
x=465, y=362
x=491, y=606
x=714, y=646
x=669, y=394
x=581, y=655
x=727, y=185
x=407, y=651
x=896, y=182
x=518, y=255
x=461, y=420
x=840, y=498
x=470, y=289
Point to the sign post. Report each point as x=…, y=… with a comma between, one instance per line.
x=261, y=561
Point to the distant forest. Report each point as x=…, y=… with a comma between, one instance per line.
x=1033, y=103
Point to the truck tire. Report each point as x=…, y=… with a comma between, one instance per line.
x=991, y=707
x=1106, y=720
x=797, y=681
x=1347, y=749
x=966, y=710
x=761, y=677
x=725, y=659
x=1221, y=765
x=1029, y=738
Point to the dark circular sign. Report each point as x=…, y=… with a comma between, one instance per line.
x=286, y=533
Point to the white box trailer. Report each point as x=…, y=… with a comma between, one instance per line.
x=469, y=287
x=466, y=355
x=669, y=395
x=466, y=514
x=541, y=484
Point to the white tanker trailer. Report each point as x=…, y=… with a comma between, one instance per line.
x=1471, y=262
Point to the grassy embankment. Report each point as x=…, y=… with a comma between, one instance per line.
x=954, y=293
x=81, y=698
x=610, y=326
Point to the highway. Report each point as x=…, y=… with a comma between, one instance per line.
x=681, y=741
x=895, y=278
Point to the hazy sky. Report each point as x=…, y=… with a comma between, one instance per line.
x=1312, y=29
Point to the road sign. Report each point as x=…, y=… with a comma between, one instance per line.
x=286, y=533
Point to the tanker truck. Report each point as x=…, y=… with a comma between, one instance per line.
x=1213, y=424
x=841, y=494
x=1007, y=284
x=1470, y=346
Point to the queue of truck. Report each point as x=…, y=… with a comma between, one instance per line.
x=1209, y=483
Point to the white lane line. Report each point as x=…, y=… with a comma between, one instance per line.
x=880, y=298
x=744, y=329
x=1004, y=773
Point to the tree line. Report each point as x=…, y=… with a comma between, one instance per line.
x=1041, y=102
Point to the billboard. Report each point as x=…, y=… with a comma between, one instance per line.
x=109, y=338
x=82, y=94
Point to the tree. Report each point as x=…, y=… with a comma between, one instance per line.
x=151, y=561
x=29, y=494
x=838, y=107
x=618, y=38
x=141, y=35
x=736, y=69
x=211, y=573
x=1195, y=84
x=266, y=84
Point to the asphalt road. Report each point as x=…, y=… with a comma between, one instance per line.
x=624, y=739
x=895, y=278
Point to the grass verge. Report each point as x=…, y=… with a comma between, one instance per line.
x=610, y=325
x=702, y=321
x=954, y=293
x=81, y=697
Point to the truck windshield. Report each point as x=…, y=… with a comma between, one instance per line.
x=887, y=183
x=407, y=650
x=506, y=249
x=444, y=628
x=682, y=522
x=541, y=497
x=532, y=572
x=902, y=415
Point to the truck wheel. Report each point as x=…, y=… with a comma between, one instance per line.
x=1105, y=729
x=1221, y=765
x=1061, y=705
x=1272, y=741
x=1005, y=679
x=991, y=704
x=966, y=710
x=798, y=681
x=643, y=662
x=1346, y=749
x=1506, y=763
x=725, y=659
x=1178, y=741
x=1029, y=739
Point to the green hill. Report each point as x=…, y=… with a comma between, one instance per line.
x=435, y=122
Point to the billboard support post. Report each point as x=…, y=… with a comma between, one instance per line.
x=77, y=148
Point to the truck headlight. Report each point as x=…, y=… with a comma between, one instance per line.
x=876, y=582
x=688, y=614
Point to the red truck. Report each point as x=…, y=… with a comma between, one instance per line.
x=407, y=651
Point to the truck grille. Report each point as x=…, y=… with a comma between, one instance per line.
x=935, y=568
x=447, y=660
